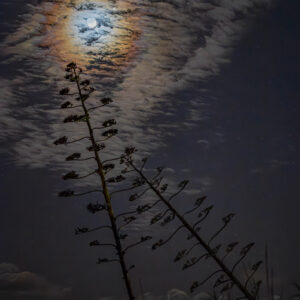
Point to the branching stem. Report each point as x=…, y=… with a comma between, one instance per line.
x=105, y=190
x=190, y=228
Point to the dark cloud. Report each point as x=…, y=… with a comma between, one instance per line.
x=24, y=284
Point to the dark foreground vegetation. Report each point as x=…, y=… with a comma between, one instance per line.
x=146, y=190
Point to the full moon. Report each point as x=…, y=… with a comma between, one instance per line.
x=91, y=23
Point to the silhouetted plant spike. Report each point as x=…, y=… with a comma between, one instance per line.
x=102, y=168
x=227, y=278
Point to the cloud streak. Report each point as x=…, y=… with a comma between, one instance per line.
x=180, y=43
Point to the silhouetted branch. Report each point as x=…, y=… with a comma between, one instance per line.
x=95, y=107
x=191, y=262
x=126, y=213
x=206, y=212
x=111, y=159
x=229, y=249
x=194, y=233
x=68, y=105
x=127, y=221
x=142, y=240
x=61, y=141
x=158, y=217
x=182, y=185
x=168, y=219
x=143, y=208
x=96, y=243
x=74, y=175
x=85, y=159
x=196, y=284
x=144, y=161
x=191, y=248
x=137, y=196
x=97, y=207
x=106, y=260
x=254, y=269
x=123, y=190
x=243, y=254
x=74, y=156
x=163, y=242
x=96, y=147
x=221, y=281
x=226, y=221
x=198, y=203
x=210, y=276
x=105, y=101
x=85, y=137
x=79, y=230
x=70, y=193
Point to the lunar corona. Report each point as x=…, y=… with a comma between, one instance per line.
x=83, y=32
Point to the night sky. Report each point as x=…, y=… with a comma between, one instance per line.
x=207, y=88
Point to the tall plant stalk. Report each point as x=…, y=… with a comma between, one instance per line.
x=212, y=252
x=106, y=193
x=73, y=71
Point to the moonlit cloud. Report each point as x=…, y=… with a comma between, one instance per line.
x=164, y=48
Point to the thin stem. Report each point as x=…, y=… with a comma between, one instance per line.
x=89, y=192
x=190, y=211
x=133, y=245
x=70, y=107
x=87, y=175
x=201, y=220
x=95, y=107
x=217, y=233
x=85, y=137
x=96, y=244
x=95, y=229
x=84, y=159
x=237, y=263
x=126, y=213
x=189, y=251
x=106, y=193
x=171, y=236
x=112, y=159
x=123, y=190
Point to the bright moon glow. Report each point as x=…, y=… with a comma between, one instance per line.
x=91, y=23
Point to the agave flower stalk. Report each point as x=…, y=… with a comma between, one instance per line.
x=83, y=93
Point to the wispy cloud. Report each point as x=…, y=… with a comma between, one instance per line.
x=180, y=43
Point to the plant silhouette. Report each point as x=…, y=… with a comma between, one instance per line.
x=227, y=278
x=142, y=182
x=82, y=94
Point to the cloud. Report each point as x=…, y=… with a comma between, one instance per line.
x=203, y=142
x=173, y=294
x=177, y=295
x=156, y=50
x=272, y=165
x=14, y=282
